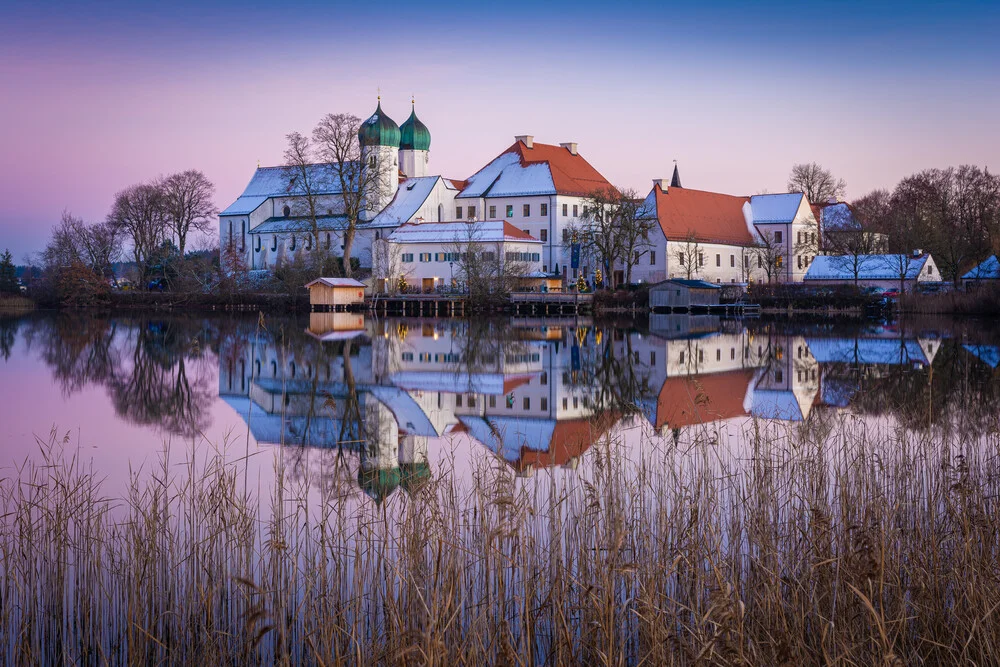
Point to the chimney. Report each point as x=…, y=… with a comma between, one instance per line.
x=526, y=139
x=571, y=147
x=664, y=183
x=917, y=252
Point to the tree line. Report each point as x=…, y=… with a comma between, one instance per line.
x=153, y=219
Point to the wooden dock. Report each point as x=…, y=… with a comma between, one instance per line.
x=456, y=305
x=729, y=309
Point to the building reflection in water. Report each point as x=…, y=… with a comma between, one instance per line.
x=537, y=395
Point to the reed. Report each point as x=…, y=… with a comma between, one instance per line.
x=852, y=542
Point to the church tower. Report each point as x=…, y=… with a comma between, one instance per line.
x=379, y=138
x=414, y=146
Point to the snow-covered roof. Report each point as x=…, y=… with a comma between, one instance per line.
x=326, y=223
x=287, y=181
x=485, y=231
x=988, y=354
x=777, y=208
x=988, y=269
x=245, y=205
x=542, y=169
x=839, y=218
x=450, y=381
x=885, y=351
x=867, y=267
x=410, y=196
x=336, y=282
x=507, y=436
x=774, y=404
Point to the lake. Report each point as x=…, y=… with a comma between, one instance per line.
x=633, y=478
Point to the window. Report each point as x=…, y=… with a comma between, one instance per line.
x=701, y=259
x=545, y=209
x=778, y=376
x=701, y=356
x=425, y=257
x=309, y=241
x=493, y=401
x=732, y=353
x=799, y=260
x=544, y=379
x=718, y=259
x=652, y=258
x=458, y=400
x=493, y=212
x=378, y=235
x=652, y=357
x=286, y=211
x=526, y=210
x=565, y=236
x=574, y=210
x=328, y=240
x=565, y=404
x=746, y=261
x=565, y=210
x=777, y=237
x=258, y=244
x=732, y=260
x=798, y=238
x=544, y=236
x=274, y=242
x=760, y=262
x=930, y=270
x=510, y=210
x=681, y=258
x=544, y=404
x=292, y=246
x=243, y=235
x=230, y=234
x=526, y=403
x=779, y=262
x=718, y=355
x=458, y=212
x=471, y=400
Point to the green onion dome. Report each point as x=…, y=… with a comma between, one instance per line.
x=378, y=483
x=414, y=135
x=379, y=130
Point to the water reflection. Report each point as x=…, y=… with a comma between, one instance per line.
x=537, y=394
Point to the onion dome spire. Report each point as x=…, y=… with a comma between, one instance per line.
x=379, y=129
x=414, y=135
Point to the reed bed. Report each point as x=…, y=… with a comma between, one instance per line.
x=855, y=544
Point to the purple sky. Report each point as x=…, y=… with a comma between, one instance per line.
x=97, y=98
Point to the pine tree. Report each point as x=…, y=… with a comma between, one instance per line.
x=8, y=273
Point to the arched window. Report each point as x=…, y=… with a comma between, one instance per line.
x=440, y=212
x=328, y=240
x=377, y=235
x=258, y=243
x=230, y=234
x=292, y=367
x=243, y=235
x=274, y=369
x=292, y=246
x=286, y=211
x=309, y=242
x=274, y=243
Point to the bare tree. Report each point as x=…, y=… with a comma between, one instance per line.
x=486, y=268
x=387, y=264
x=689, y=255
x=188, y=205
x=302, y=182
x=634, y=227
x=599, y=232
x=816, y=183
x=365, y=183
x=138, y=214
x=768, y=254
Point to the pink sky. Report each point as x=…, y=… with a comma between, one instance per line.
x=735, y=98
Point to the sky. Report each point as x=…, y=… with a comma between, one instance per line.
x=95, y=97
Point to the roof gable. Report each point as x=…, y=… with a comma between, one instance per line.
x=777, y=208
x=409, y=197
x=542, y=169
x=988, y=269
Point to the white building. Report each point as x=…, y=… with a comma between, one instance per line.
x=723, y=238
x=886, y=271
x=430, y=254
x=986, y=272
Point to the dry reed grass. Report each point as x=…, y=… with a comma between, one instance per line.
x=854, y=545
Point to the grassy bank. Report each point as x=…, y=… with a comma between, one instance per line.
x=844, y=544
x=265, y=301
x=15, y=303
x=978, y=303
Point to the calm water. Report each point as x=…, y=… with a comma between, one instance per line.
x=399, y=400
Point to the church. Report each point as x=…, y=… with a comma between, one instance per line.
x=538, y=191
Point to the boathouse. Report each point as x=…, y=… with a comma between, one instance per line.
x=679, y=293
x=335, y=293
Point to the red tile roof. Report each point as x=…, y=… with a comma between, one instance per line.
x=570, y=439
x=512, y=232
x=571, y=174
x=689, y=400
x=710, y=216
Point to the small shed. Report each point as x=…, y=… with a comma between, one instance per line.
x=335, y=293
x=678, y=293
